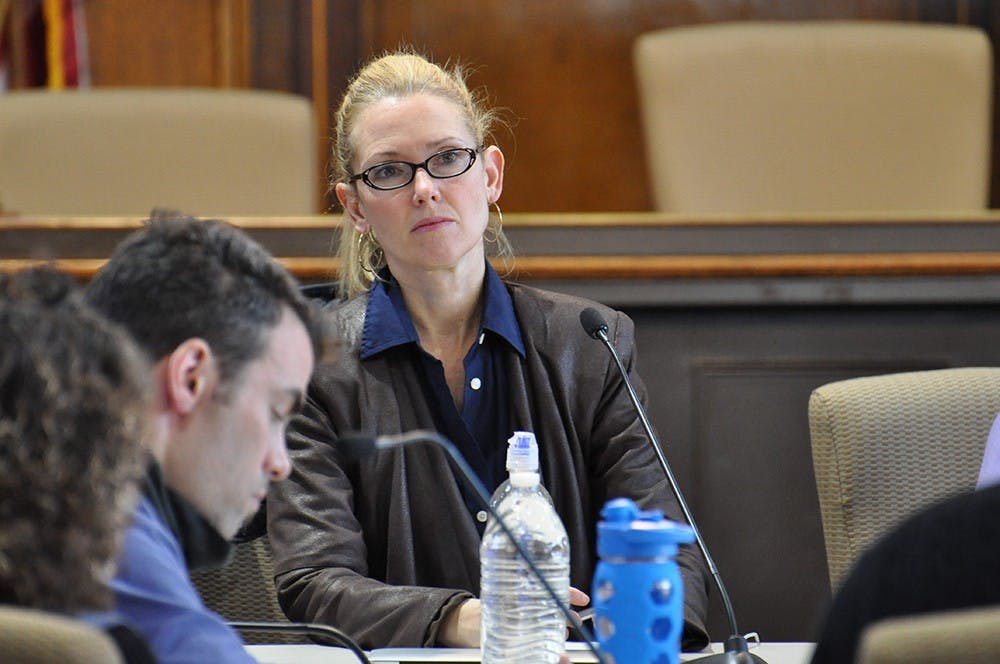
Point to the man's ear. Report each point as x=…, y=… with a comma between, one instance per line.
x=191, y=374
x=348, y=198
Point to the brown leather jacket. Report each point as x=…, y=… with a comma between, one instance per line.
x=384, y=547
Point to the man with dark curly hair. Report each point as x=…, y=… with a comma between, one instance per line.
x=72, y=406
x=232, y=344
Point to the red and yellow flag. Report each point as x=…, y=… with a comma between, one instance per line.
x=43, y=43
x=65, y=42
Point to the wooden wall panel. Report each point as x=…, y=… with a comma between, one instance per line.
x=565, y=72
x=168, y=42
x=728, y=391
x=561, y=70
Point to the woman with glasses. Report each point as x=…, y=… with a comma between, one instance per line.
x=387, y=548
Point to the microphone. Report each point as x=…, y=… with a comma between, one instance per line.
x=736, y=650
x=320, y=632
x=356, y=446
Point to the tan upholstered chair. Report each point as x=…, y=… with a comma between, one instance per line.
x=884, y=446
x=970, y=636
x=833, y=115
x=209, y=152
x=244, y=590
x=28, y=636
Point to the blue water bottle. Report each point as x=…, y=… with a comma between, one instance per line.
x=637, y=593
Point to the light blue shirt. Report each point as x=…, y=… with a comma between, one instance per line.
x=155, y=596
x=989, y=472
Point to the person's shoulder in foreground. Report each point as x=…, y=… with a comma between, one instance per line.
x=232, y=344
x=944, y=557
x=72, y=395
x=153, y=589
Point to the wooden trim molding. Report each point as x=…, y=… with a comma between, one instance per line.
x=727, y=266
x=559, y=220
x=82, y=224
x=313, y=268
x=606, y=247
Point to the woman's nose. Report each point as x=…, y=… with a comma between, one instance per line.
x=424, y=186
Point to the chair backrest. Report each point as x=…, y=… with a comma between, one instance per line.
x=885, y=446
x=824, y=115
x=208, y=152
x=324, y=291
x=970, y=636
x=29, y=636
x=243, y=590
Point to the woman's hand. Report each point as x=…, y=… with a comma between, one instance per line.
x=578, y=598
x=461, y=626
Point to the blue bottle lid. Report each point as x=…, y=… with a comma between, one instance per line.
x=628, y=532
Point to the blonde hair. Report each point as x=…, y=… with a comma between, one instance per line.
x=401, y=73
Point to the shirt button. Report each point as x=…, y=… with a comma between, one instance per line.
x=481, y=516
x=482, y=335
x=475, y=383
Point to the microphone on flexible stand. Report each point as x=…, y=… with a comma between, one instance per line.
x=357, y=446
x=735, y=650
x=324, y=633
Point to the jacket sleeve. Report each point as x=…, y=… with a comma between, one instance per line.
x=624, y=464
x=321, y=563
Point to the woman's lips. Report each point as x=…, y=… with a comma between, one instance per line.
x=430, y=224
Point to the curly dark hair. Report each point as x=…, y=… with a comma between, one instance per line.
x=72, y=399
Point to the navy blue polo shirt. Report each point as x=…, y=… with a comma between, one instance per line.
x=480, y=431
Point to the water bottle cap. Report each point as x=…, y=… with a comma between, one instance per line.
x=626, y=531
x=522, y=453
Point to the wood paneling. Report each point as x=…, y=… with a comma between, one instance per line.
x=169, y=42
x=728, y=390
x=562, y=70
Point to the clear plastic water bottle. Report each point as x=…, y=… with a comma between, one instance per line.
x=638, y=595
x=520, y=622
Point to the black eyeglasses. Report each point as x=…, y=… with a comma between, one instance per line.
x=396, y=174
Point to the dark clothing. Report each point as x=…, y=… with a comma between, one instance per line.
x=132, y=647
x=478, y=430
x=384, y=547
x=203, y=546
x=945, y=557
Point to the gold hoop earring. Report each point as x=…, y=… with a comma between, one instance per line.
x=495, y=235
x=370, y=254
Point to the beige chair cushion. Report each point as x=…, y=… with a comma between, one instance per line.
x=208, y=152
x=831, y=115
x=885, y=446
x=28, y=636
x=969, y=636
